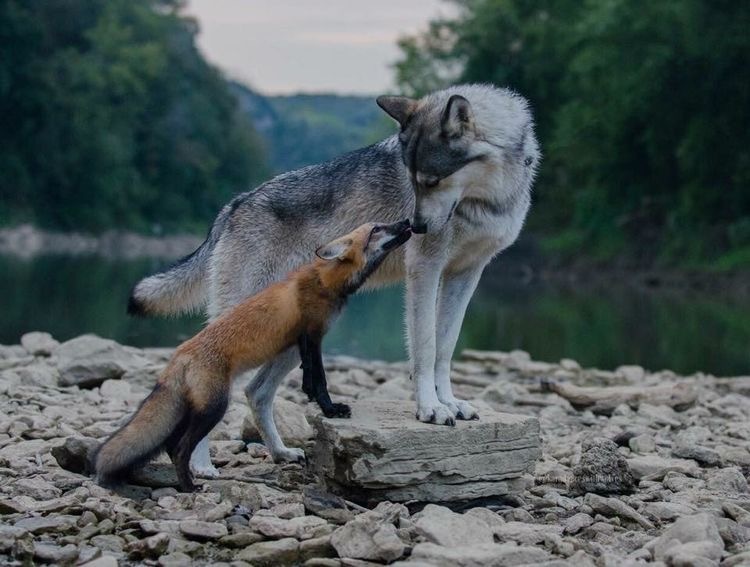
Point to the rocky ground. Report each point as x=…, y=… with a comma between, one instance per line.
x=636, y=467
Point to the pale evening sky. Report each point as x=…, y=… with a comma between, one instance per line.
x=286, y=46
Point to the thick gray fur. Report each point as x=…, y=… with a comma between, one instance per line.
x=462, y=167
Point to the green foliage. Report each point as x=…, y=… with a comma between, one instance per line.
x=642, y=111
x=112, y=119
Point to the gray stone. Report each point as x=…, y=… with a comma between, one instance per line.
x=175, y=559
x=643, y=443
x=486, y=555
x=50, y=553
x=49, y=524
x=203, y=530
x=290, y=421
x=37, y=488
x=88, y=360
x=103, y=561
x=655, y=467
x=317, y=547
x=39, y=344
x=602, y=469
x=577, y=522
x=699, y=531
x=304, y=527
x=440, y=525
x=615, y=507
x=372, y=535
x=271, y=553
x=729, y=480
x=525, y=533
x=383, y=453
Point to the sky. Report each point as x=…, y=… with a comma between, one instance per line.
x=288, y=46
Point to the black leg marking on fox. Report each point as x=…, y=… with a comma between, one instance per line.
x=314, y=377
x=199, y=424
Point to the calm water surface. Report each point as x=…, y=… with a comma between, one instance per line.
x=598, y=326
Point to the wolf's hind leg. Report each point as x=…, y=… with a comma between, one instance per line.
x=260, y=392
x=200, y=461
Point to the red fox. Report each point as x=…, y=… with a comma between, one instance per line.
x=192, y=393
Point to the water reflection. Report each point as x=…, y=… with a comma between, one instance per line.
x=598, y=326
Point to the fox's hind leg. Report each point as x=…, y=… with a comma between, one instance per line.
x=200, y=423
x=260, y=392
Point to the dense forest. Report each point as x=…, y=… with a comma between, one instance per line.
x=643, y=111
x=111, y=118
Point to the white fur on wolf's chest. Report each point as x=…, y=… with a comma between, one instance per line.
x=475, y=243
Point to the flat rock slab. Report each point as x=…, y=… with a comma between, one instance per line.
x=383, y=453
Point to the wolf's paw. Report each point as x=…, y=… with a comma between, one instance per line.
x=460, y=409
x=288, y=455
x=437, y=413
x=204, y=470
x=466, y=411
x=338, y=410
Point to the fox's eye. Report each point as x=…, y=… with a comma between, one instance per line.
x=376, y=229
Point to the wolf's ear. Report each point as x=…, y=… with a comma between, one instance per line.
x=333, y=250
x=400, y=108
x=458, y=118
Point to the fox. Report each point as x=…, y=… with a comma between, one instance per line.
x=192, y=393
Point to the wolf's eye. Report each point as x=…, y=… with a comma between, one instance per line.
x=377, y=229
x=431, y=182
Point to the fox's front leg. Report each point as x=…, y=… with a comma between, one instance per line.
x=305, y=356
x=314, y=376
x=455, y=292
x=422, y=282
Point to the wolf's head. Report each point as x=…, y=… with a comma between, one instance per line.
x=350, y=259
x=460, y=140
x=437, y=141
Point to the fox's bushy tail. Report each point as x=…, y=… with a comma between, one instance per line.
x=142, y=437
x=182, y=287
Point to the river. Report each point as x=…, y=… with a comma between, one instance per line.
x=602, y=326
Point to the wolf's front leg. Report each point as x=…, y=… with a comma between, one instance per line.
x=455, y=292
x=422, y=282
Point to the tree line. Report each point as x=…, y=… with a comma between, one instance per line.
x=111, y=118
x=642, y=109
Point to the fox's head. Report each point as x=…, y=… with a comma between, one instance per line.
x=351, y=258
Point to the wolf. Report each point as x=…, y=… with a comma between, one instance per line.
x=461, y=167
x=192, y=393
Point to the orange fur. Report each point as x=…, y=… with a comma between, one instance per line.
x=192, y=392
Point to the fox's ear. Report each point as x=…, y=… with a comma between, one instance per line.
x=400, y=108
x=333, y=250
x=458, y=117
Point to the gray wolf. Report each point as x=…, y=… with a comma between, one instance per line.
x=192, y=393
x=462, y=167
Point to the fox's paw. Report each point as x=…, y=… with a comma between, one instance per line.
x=437, y=413
x=338, y=410
x=288, y=455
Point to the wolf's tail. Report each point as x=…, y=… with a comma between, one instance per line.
x=141, y=437
x=182, y=287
